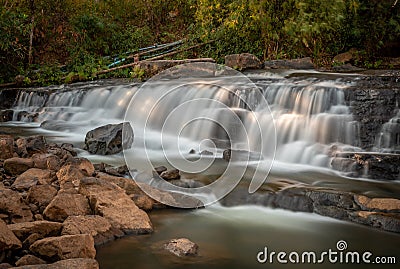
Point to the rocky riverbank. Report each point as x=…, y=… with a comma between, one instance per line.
x=55, y=207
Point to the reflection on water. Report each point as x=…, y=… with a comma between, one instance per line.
x=232, y=237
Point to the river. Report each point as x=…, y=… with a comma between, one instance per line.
x=310, y=116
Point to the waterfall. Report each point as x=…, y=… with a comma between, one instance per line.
x=310, y=114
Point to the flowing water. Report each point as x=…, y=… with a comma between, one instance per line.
x=302, y=120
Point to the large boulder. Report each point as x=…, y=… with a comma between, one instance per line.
x=33, y=177
x=8, y=240
x=80, y=263
x=111, y=202
x=65, y=247
x=243, y=61
x=11, y=204
x=16, y=166
x=43, y=228
x=67, y=204
x=97, y=226
x=182, y=247
x=6, y=147
x=109, y=139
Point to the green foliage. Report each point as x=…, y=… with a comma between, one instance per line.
x=79, y=33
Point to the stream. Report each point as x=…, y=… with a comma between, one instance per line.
x=311, y=119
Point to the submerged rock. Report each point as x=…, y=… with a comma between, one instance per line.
x=109, y=139
x=80, y=263
x=182, y=247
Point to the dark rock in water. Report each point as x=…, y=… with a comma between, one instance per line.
x=206, y=153
x=241, y=155
x=117, y=171
x=243, y=61
x=182, y=247
x=379, y=166
x=171, y=174
x=6, y=115
x=302, y=63
x=385, y=221
x=26, y=116
x=108, y=139
x=186, y=183
x=160, y=169
x=192, y=151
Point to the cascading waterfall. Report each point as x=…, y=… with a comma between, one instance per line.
x=310, y=115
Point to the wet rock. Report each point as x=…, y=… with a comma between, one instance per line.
x=241, y=155
x=8, y=240
x=29, y=260
x=8, y=97
x=160, y=169
x=65, y=247
x=117, y=171
x=41, y=195
x=171, y=174
x=16, y=166
x=6, y=147
x=46, y=161
x=12, y=204
x=111, y=202
x=186, y=183
x=79, y=263
x=301, y=63
x=67, y=204
x=386, y=221
x=170, y=198
x=27, y=116
x=108, y=139
x=33, y=177
x=97, y=226
x=206, y=153
x=378, y=204
x=182, y=247
x=379, y=166
x=243, y=61
x=43, y=228
x=6, y=115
